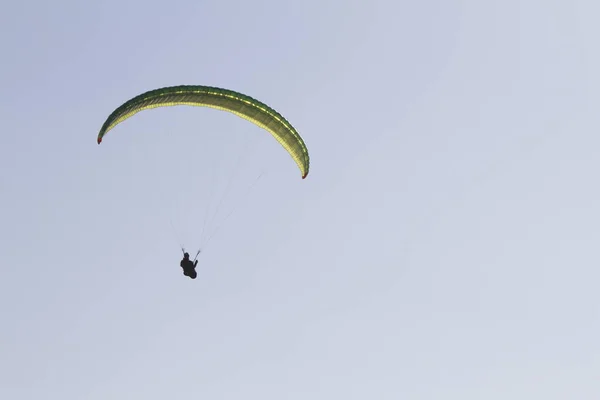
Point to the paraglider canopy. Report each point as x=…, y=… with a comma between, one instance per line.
x=223, y=99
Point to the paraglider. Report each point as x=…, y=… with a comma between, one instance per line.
x=222, y=99
x=188, y=266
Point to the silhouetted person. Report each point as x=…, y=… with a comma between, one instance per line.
x=189, y=266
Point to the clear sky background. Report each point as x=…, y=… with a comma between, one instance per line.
x=445, y=244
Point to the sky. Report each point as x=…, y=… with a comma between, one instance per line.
x=444, y=244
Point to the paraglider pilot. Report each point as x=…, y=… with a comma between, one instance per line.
x=189, y=266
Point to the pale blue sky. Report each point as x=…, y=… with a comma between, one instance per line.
x=444, y=246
